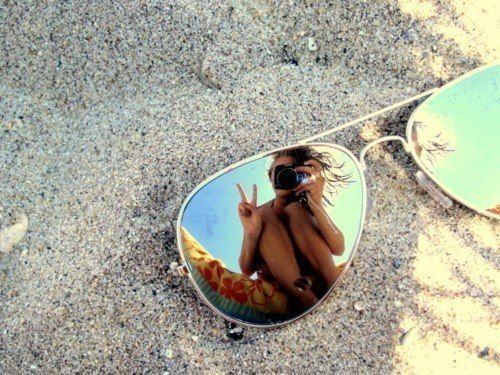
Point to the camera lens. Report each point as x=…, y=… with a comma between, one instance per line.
x=287, y=178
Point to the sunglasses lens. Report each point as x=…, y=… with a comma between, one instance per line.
x=265, y=256
x=454, y=139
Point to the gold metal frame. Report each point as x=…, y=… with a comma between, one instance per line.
x=248, y=160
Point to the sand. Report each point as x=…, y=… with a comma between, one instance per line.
x=111, y=114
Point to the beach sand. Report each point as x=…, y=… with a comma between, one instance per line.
x=112, y=113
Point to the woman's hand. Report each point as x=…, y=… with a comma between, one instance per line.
x=315, y=184
x=250, y=216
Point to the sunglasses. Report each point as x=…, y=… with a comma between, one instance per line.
x=270, y=257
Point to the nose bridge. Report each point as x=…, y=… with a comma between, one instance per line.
x=388, y=138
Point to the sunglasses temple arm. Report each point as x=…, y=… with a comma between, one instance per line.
x=433, y=190
x=367, y=117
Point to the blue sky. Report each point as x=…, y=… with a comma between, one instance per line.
x=211, y=215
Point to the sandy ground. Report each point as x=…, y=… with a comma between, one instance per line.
x=111, y=114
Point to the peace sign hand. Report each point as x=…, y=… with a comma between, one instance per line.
x=250, y=216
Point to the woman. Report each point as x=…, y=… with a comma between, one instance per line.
x=291, y=238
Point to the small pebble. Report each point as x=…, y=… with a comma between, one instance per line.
x=13, y=234
x=486, y=353
x=359, y=306
x=168, y=353
x=234, y=331
x=311, y=44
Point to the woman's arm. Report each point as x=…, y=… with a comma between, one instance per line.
x=329, y=231
x=251, y=221
x=247, y=256
x=314, y=191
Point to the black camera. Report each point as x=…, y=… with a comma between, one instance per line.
x=286, y=177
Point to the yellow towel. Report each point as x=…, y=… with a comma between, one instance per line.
x=258, y=294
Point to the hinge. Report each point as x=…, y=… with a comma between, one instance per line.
x=181, y=269
x=433, y=190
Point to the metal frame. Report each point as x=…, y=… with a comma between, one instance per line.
x=408, y=146
x=248, y=160
x=386, y=138
x=369, y=116
x=416, y=158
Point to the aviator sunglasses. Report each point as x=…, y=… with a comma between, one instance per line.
x=290, y=220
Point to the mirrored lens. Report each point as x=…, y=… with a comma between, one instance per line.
x=454, y=137
x=263, y=255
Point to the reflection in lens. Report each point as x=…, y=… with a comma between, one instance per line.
x=264, y=255
x=454, y=137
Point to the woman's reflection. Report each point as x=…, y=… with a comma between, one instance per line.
x=291, y=238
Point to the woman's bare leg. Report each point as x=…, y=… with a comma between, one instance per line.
x=310, y=242
x=277, y=251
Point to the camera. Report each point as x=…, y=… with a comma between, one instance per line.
x=287, y=178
